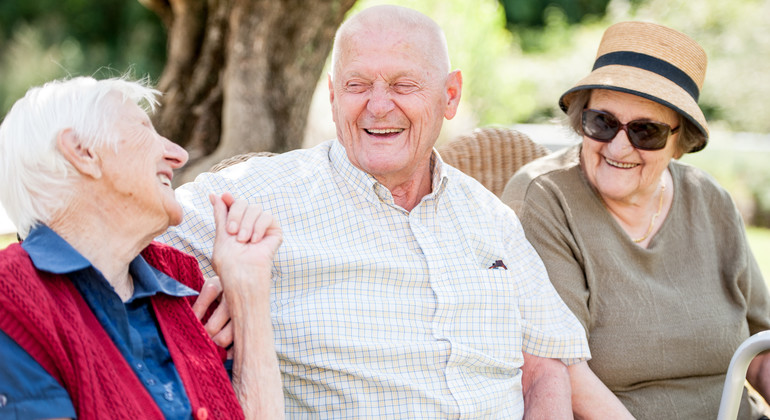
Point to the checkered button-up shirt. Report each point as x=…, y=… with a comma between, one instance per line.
x=381, y=312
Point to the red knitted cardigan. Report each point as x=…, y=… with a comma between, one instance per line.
x=48, y=318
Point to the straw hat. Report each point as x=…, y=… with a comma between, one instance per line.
x=651, y=61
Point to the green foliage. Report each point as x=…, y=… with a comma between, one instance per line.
x=534, y=13
x=742, y=171
x=734, y=37
x=551, y=59
x=47, y=39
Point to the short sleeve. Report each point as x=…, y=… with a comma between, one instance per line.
x=27, y=391
x=548, y=231
x=549, y=328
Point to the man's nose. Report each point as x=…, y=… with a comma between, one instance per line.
x=380, y=102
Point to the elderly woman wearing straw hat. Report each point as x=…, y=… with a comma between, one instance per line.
x=648, y=252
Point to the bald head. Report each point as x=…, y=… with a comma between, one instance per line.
x=396, y=23
x=390, y=90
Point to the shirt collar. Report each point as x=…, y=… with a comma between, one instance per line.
x=370, y=187
x=440, y=177
x=361, y=181
x=50, y=252
x=148, y=281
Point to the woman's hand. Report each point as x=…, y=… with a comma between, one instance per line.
x=244, y=247
x=246, y=241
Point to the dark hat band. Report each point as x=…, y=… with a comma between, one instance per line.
x=652, y=64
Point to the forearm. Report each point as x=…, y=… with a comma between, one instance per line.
x=546, y=387
x=256, y=376
x=591, y=399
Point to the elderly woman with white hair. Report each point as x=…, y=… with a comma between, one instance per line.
x=649, y=253
x=96, y=319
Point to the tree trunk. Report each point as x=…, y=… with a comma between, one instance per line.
x=241, y=74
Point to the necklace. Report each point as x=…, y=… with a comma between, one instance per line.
x=654, y=216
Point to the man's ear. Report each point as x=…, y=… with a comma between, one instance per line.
x=83, y=159
x=331, y=97
x=454, y=89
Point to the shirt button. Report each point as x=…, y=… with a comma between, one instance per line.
x=3, y=400
x=202, y=414
x=139, y=366
x=151, y=382
x=168, y=395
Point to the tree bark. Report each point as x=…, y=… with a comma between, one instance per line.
x=240, y=74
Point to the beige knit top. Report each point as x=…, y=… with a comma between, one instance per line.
x=662, y=322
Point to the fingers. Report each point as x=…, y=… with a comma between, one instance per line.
x=273, y=236
x=228, y=199
x=263, y=222
x=218, y=320
x=228, y=213
x=247, y=222
x=236, y=221
x=220, y=213
x=224, y=338
x=209, y=293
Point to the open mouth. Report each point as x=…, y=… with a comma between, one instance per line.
x=164, y=179
x=620, y=165
x=383, y=132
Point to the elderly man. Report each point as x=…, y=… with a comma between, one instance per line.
x=95, y=320
x=403, y=288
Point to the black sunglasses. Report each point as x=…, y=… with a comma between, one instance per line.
x=643, y=134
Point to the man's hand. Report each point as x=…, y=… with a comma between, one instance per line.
x=218, y=325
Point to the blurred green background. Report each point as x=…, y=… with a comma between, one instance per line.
x=516, y=61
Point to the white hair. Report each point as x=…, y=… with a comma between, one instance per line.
x=35, y=179
x=393, y=18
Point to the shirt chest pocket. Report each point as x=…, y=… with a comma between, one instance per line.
x=484, y=314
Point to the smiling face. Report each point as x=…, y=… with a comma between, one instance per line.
x=616, y=169
x=389, y=94
x=137, y=173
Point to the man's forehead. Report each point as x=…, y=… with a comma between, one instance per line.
x=354, y=73
x=407, y=36
x=391, y=52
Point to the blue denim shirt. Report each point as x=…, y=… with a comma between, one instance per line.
x=28, y=391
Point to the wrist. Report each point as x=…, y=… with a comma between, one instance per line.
x=241, y=284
